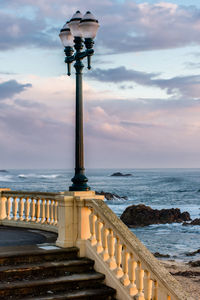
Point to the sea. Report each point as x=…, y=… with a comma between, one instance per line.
x=158, y=188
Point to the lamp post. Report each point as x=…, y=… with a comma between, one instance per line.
x=72, y=34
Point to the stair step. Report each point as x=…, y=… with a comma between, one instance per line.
x=46, y=269
x=37, y=287
x=38, y=255
x=103, y=292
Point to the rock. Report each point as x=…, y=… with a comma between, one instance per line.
x=120, y=174
x=189, y=274
x=157, y=254
x=193, y=253
x=110, y=196
x=194, y=263
x=194, y=222
x=142, y=215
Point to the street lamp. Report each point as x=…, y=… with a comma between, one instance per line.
x=72, y=34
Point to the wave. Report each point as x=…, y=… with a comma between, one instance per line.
x=52, y=176
x=7, y=178
x=116, y=201
x=171, y=180
x=182, y=191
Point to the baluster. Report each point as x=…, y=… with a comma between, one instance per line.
x=3, y=206
x=37, y=210
x=93, y=231
x=155, y=290
x=119, y=272
x=125, y=256
x=8, y=208
x=55, y=212
x=47, y=211
x=99, y=225
x=52, y=211
x=27, y=209
x=111, y=250
x=105, y=254
x=15, y=208
x=32, y=210
x=132, y=266
x=21, y=208
x=147, y=285
x=43, y=211
x=139, y=281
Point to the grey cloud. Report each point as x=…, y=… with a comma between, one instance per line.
x=7, y=73
x=151, y=26
x=192, y=65
x=20, y=32
x=120, y=108
x=181, y=86
x=9, y=88
x=28, y=104
x=126, y=87
x=122, y=74
x=32, y=140
x=184, y=86
x=125, y=26
x=137, y=124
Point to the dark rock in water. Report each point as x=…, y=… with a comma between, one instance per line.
x=4, y=171
x=157, y=254
x=194, y=263
x=193, y=253
x=142, y=215
x=194, y=222
x=120, y=174
x=110, y=196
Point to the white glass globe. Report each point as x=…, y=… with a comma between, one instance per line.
x=74, y=24
x=89, y=25
x=66, y=36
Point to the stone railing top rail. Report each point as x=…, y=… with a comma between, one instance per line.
x=133, y=244
x=31, y=194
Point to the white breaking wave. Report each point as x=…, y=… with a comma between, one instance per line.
x=7, y=178
x=53, y=176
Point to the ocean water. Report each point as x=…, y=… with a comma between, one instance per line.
x=158, y=188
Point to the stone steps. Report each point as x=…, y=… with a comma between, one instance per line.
x=46, y=269
x=102, y=292
x=50, y=274
x=39, y=255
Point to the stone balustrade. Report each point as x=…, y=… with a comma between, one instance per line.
x=126, y=262
x=83, y=220
x=29, y=209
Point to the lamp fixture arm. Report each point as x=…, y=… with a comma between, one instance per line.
x=69, y=59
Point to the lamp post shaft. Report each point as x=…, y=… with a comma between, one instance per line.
x=79, y=180
x=79, y=165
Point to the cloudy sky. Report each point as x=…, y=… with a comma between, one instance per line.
x=141, y=98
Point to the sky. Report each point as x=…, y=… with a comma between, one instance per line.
x=141, y=97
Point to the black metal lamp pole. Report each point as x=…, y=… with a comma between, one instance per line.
x=86, y=23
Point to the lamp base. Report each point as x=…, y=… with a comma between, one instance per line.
x=79, y=183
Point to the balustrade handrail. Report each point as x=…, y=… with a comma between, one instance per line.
x=133, y=244
x=34, y=194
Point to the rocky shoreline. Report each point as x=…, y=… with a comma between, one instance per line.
x=186, y=274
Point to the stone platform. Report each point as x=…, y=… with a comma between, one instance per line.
x=13, y=239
